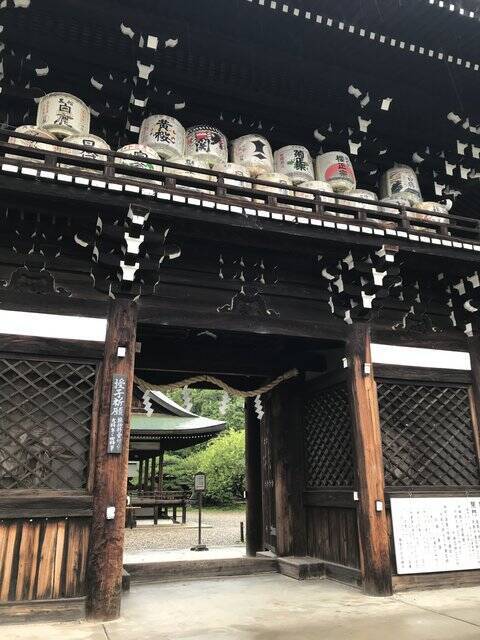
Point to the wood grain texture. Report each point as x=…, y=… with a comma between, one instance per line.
x=372, y=524
x=253, y=479
x=286, y=421
x=43, y=559
x=110, y=486
x=332, y=535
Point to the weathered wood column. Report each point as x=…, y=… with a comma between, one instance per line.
x=474, y=350
x=110, y=484
x=288, y=468
x=372, y=522
x=253, y=480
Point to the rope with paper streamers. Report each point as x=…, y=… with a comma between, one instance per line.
x=146, y=386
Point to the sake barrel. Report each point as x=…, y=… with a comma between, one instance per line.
x=187, y=172
x=238, y=170
x=400, y=182
x=63, y=115
x=253, y=152
x=206, y=143
x=438, y=210
x=282, y=189
x=316, y=185
x=164, y=134
x=39, y=134
x=295, y=162
x=140, y=159
x=433, y=207
x=401, y=202
x=92, y=144
x=359, y=193
x=336, y=168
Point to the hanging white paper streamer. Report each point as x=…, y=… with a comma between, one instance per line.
x=258, y=407
x=187, y=398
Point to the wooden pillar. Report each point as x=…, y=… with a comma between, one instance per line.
x=372, y=523
x=152, y=474
x=253, y=480
x=286, y=419
x=160, y=471
x=105, y=561
x=474, y=350
x=140, y=475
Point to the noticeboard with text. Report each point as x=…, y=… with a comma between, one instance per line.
x=200, y=482
x=436, y=534
x=117, y=413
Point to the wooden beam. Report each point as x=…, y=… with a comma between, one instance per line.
x=474, y=392
x=286, y=420
x=372, y=523
x=253, y=480
x=105, y=565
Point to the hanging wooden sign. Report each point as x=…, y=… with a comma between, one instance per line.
x=117, y=413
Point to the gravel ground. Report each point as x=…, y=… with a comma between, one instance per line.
x=224, y=531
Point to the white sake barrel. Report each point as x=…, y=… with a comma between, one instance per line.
x=141, y=156
x=282, y=189
x=253, y=152
x=336, y=168
x=63, y=114
x=164, y=134
x=30, y=130
x=295, y=162
x=359, y=193
x=401, y=202
x=193, y=163
x=435, y=208
x=401, y=182
x=92, y=144
x=235, y=169
x=315, y=185
x=206, y=143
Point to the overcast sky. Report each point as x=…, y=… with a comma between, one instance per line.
x=52, y=326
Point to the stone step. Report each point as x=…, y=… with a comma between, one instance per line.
x=301, y=568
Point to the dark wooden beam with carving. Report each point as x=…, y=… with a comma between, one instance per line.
x=253, y=479
x=286, y=420
x=372, y=523
x=110, y=484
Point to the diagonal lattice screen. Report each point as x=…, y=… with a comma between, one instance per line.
x=427, y=435
x=328, y=439
x=45, y=415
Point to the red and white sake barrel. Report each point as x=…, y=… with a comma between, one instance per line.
x=39, y=134
x=315, y=185
x=164, y=134
x=92, y=146
x=336, y=168
x=63, y=115
x=254, y=153
x=141, y=157
x=207, y=144
x=401, y=182
x=295, y=162
x=280, y=188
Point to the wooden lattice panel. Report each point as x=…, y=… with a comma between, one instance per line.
x=45, y=416
x=427, y=435
x=328, y=439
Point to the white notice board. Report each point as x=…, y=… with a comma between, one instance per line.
x=436, y=534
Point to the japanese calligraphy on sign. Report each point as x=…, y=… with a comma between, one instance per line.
x=436, y=534
x=117, y=413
